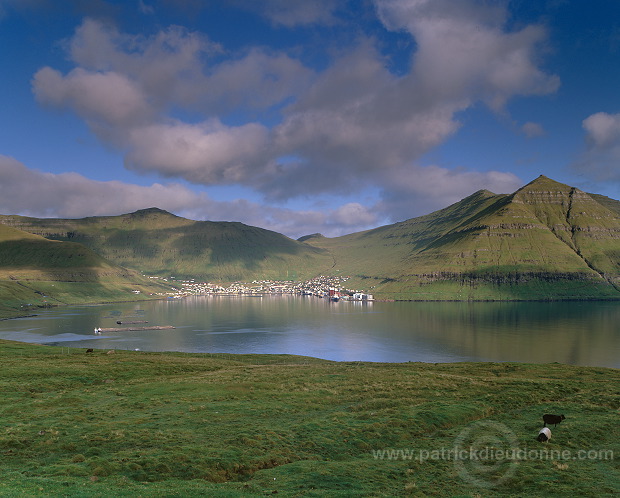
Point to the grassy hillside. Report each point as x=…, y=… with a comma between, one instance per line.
x=38, y=272
x=545, y=241
x=159, y=243
x=152, y=424
x=22, y=253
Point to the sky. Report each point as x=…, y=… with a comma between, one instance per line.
x=302, y=116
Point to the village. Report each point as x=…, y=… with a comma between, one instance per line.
x=332, y=288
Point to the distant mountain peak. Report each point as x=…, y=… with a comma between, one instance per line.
x=543, y=182
x=545, y=241
x=480, y=194
x=311, y=236
x=150, y=211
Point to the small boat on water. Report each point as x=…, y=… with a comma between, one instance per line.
x=334, y=295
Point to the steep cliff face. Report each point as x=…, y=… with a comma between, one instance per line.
x=586, y=226
x=546, y=232
x=547, y=240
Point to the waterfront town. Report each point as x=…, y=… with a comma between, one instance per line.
x=333, y=288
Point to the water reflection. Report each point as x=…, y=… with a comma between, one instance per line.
x=576, y=333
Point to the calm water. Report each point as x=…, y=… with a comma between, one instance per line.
x=575, y=333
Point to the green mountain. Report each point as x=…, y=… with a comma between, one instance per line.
x=545, y=241
x=35, y=271
x=159, y=243
x=25, y=254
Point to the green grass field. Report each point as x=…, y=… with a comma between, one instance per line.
x=169, y=424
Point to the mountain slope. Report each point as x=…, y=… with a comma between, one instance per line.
x=545, y=241
x=26, y=254
x=160, y=243
x=35, y=271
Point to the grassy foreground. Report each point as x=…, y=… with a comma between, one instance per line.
x=171, y=424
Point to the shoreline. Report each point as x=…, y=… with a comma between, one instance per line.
x=379, y=300
x=103, y=351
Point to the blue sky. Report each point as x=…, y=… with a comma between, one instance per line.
x=302, y=116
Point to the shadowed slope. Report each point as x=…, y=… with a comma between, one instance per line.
x=157, y=242
x=35, y=271
x=25, y=252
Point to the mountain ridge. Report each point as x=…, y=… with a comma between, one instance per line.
x=547, y=240
x=489, y=246
x=160, y=243
x=38, y=272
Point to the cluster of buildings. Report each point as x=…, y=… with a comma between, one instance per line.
x=324, y=287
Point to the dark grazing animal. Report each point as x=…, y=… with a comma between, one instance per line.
x=552, y=419
x=89, y=350
x=544, y=435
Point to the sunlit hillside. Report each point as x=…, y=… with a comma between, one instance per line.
x=545, y=241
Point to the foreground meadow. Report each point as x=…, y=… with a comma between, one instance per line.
x=169, y=424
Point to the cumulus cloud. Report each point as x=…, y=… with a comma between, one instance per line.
x=603, y=130
x=427, y=189
x=70, y=195
x=168, y=66
x=178, y=67
x=207, y=153
x=359, y=120
x=465, y=53
x=126, y=86
x=455, y=40
x=30, y=192
x=361, y=117
x=106, y=98
x=181, y=106
x=353, y=214
x=145, y=9
x=256, y=80
x=600, y=160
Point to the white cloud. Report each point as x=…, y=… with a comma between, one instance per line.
x=359, y=121
x=599, y=162
x=109, y=99
x=262, y=119
x=145, y=9
x=207, y=153
x=70, y=195
x=257, y=80
x=177, y=67
x=465, y=53
x=34, y=193
x=602, y=129
x=353, y=214
x=427, y=189
x=126, y=85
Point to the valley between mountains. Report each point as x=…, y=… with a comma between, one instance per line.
x=546, y=241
